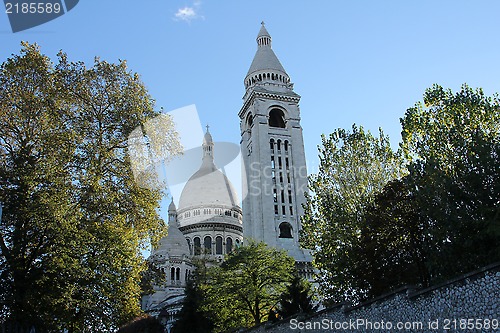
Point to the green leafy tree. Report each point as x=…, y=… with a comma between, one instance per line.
x=453, y=140
x=242, y=291
x=39, y=222
x=439, y=220
x=192, y=317
x=74, y=218
x=118, y=215
x=297, y=299
x=145, y=324
x=354, y=166
x=395, y=241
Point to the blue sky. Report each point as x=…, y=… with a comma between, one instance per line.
x=362, y=62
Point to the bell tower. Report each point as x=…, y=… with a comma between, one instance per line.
x=273, y=152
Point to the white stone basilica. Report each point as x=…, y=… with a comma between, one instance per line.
x=209, y=221
x=209, y=215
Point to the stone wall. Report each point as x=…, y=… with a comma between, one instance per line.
x=470, y=303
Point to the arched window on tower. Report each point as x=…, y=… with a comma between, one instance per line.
x=172, y=274
x=218, y=245
x=249, y=120
x=197, y=245
x=207, y=242
x=285, y=230
x=229, y=245
x=177, y=274
x=276, y=118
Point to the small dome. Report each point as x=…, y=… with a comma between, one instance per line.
x=171, y=207
x=172, y=245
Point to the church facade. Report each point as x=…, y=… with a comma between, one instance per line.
x=209, y=221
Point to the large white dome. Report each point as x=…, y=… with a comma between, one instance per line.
x=208, y=187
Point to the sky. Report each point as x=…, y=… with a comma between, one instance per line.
x=362, y=62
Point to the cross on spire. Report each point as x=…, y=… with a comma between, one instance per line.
x=207, y=127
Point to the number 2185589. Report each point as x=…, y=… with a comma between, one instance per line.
x=33, y=8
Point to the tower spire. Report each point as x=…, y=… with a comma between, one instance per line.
x=208, y=147
x=172, y=214
x=266, y=68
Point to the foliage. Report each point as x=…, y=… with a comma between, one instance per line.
x=74, y=219
x=453, y=140
x=145, y=324
x=151, y=276
x=192, y=318
x=376, y=228
x=34, y=188
x=354, y=166
x=246, y=286
x=395, y=241
x=298, y=298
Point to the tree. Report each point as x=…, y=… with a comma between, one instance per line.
x=192, y=317
x=395, y=241
x=439, y=220
x=354, y=166
x=119, y=215
x=453, y=140
x=145, y=324
x=39, y=220
x=246, y=286
x=74, y=217
x=298, y=298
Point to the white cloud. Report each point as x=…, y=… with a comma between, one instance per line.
x=187, y=13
